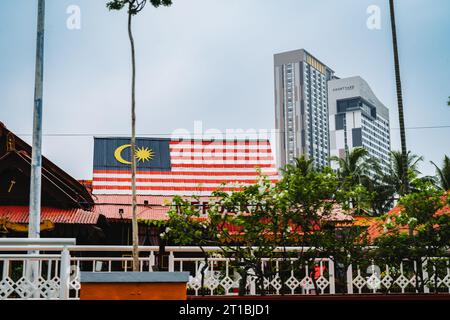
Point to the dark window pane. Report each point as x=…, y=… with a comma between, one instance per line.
x=357, y=137
x=340, y=121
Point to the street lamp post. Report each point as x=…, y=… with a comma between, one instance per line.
x=36, y=161
x=34, y=219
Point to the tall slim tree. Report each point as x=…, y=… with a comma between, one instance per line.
x=399, y=98
x=134, y=7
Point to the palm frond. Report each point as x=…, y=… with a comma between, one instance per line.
x=443, y=173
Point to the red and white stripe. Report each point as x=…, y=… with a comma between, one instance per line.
x=198, y=168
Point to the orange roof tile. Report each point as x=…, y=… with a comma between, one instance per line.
x=20, y=214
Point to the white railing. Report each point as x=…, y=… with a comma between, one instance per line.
x=28, y=274
x=406, y=277
x=220, y=280
x=220, y=276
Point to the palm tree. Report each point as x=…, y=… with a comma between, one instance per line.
x=301, y=166
x=387, y=185
x=134, y=7
x=404, y=154
x=379, y=187
x=354, y=166
x=443, y=173
x=395, y=177
x=354, y=170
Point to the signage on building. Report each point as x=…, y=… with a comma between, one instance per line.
x=345, y=88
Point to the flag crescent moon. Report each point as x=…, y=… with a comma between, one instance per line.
x=118, y=154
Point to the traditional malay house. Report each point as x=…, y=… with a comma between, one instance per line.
x=67, y=206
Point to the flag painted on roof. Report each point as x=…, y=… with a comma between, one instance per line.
x=180, y=167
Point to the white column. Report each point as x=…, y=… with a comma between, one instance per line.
x=65, y=274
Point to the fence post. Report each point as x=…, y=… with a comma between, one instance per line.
x=5, y=269
x=331, y=278
x=251, y=274
x=349, y=279
x=151, y=262
x=425, y=279
x=64, y=274
x=171, y=262
x=32, y=273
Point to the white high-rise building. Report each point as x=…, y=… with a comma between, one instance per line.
x=357, y=119
x=301, y=107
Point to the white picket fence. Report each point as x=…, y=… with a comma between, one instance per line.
x=402, y=278
x=52, y=271
x=28, y=274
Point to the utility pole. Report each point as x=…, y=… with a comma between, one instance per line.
x=36, y=159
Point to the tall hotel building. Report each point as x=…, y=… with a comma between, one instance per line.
x=357, y=119
x=301, y=107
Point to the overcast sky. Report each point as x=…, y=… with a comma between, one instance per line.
x=212, y=61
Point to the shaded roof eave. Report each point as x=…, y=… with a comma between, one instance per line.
x=67, y=184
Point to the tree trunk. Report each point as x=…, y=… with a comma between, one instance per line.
x=133, y=148
x=399, y=100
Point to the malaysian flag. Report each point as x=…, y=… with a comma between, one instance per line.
x=180, y=167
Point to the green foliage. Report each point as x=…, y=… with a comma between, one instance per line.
x=443, y=174
x=296, y=211
x=395, y=174
x=354, y=173
x=418, y=230
x=420, y=207
x=299, y=211
x=421, y=224
x=354, y=166
x=382, y=187
x=135, y=6
x=152, y=223
x=186, y=227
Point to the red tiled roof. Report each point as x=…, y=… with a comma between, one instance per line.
x=108, y=205
x=156, y=209
x=113, y=211
x=337, y=214
x=126, y=199
x=376, y=229
x=19, y=214
x=158, y=206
